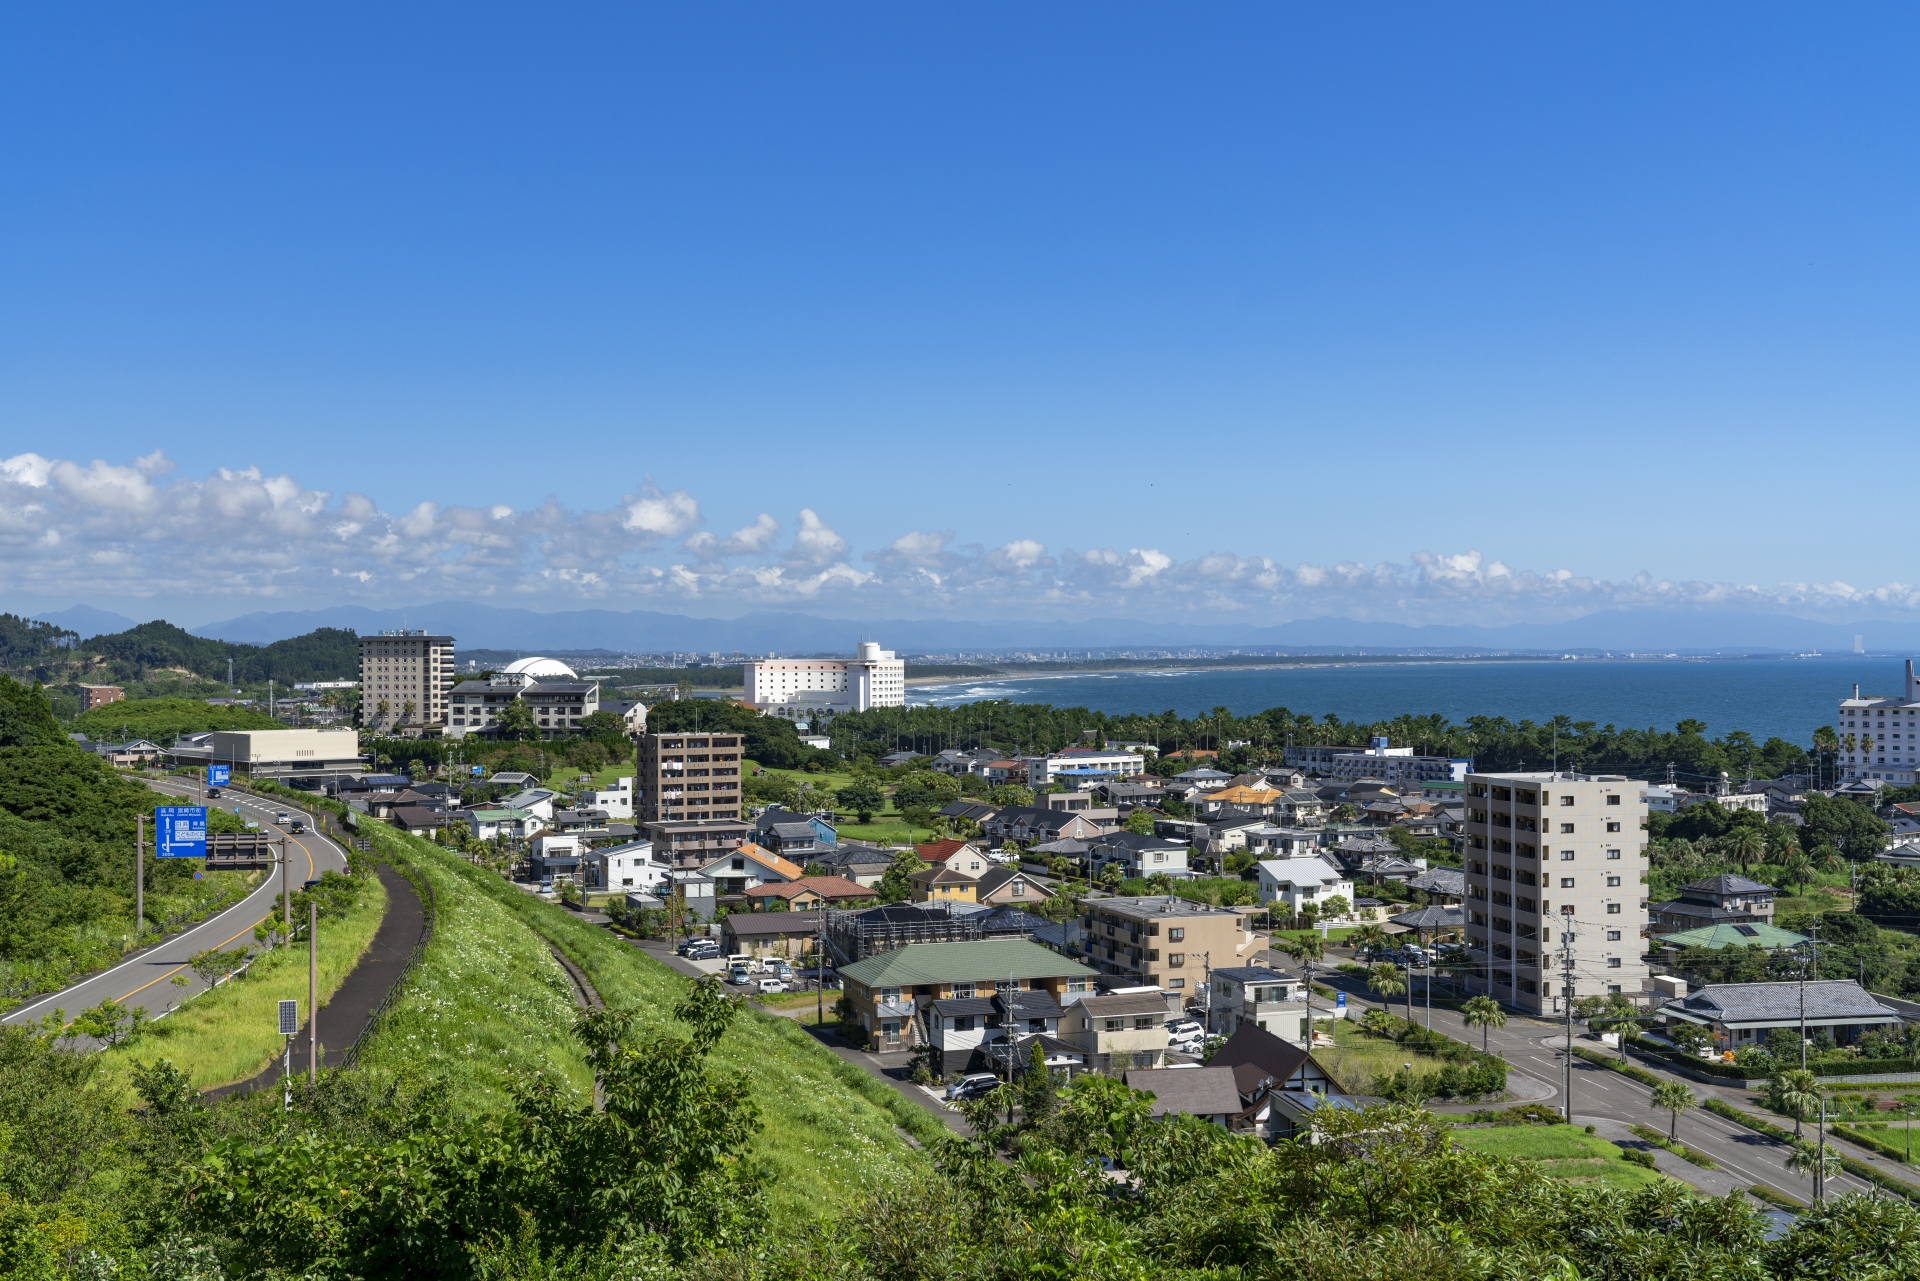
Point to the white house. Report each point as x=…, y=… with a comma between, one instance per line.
x=1268, y=841
x=629, y=867
x=1138, y=855
x=616, y=798
x=537, y=801
x=490, y=821
x=1298, y=881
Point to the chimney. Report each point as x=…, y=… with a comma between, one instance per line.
x=1856, y=693
x=1913, y=687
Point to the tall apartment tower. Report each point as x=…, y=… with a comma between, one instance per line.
x=1546, y=852
x=687, y=777
x=1880, y=735
x=405, y=678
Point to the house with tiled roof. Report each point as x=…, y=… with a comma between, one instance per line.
x=961, y=856
x=942, y=884
x=1718, y=900
x=810, y=892
x=1740, y=1014
x=737, y=870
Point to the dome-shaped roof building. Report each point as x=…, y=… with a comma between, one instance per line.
x=541, y=669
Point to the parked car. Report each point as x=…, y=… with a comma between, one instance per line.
x=973, y=1083
x=1180, y=1027
x=546, y=887
x=782, y=971
x=739, y=978
x=770, y=986
x=697, y=942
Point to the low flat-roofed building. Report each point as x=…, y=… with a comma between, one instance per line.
x=1160, y=940
x=279, y=754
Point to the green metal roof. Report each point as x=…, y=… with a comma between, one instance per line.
x=1744, y=934
x=928, y=963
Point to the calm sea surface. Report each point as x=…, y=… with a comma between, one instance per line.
x=1786, y=697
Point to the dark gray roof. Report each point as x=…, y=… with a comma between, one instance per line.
x=1254, y=974
x=1728, y=883
x=1433, y=917
x=745, y=923
x=1441, y=880
x=1131, y=841
x=1011, y=920
x=1111, y=1007
x=1206, y=1091
x=1828, y=1000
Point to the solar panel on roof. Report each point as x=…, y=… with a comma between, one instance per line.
x=1747, y=930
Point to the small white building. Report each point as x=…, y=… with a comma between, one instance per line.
x=616, y=798
x=1272, y=1000
x=629, y=867
x=1300, y=881
x=490, y=821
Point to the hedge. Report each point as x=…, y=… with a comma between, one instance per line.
x=1858, y=1169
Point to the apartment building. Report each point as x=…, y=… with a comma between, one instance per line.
x=1547, y=854
x=406, y=679
x=1162, y=941
x=1082, y=767
x=687, y=777
x=800, y=688
x=92, y=696
x=1880, y=735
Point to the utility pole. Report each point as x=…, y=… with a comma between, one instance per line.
x=313, y=993
x=286, y=889
x=1820, y=1173
x=1566, y=1003
x=139, y=875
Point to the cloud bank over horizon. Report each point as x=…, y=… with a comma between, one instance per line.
x=139, y=531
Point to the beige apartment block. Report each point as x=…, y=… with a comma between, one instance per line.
x=1159, y=940
x=405, y=680
x=1549, y=853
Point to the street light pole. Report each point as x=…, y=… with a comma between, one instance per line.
x=1566, y=1002
x=313, y=992
x=139, y=875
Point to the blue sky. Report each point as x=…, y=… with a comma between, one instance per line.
x=1256, y=311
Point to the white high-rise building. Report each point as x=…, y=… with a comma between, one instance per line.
x=1547, y=853
x=800, y=688
x=1880, y=735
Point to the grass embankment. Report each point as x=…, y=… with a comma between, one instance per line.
x=1563, y=1152
x=1357, y=1057
x=829, y=1130
x=230, y=1033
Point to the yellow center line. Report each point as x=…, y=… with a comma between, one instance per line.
x=231, y=937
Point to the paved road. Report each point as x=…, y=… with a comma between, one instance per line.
x=143, y=979
x=1534, y=1048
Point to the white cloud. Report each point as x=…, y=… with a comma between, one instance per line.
x=138, y=530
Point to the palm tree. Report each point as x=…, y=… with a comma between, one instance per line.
x=1795, y=1092
x=1369, y=936
x=1796, y=868
x=1676, y=1098
x=1386, y=978
x=1484, y=1013
x=1811, y=1162
x=1745, y=845
x=1825, y=743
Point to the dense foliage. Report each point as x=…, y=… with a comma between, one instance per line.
x=161, y=720
x=1493, y=741
x=66, y=854
x=24, y=641
x=159, y=649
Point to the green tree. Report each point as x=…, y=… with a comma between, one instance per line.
x=1011, y=794
x=1794, y=1092
x=1389, y=981
x=1676, y=1098
x=863, y=797
x=1140, y=821
x=515, y=724
x=1744, y=845
x=895, y=884
x=1484, y=1013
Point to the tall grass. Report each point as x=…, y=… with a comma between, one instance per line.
x=231, y=1032
x=829, y=1129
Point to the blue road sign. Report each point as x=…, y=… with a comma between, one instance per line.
x=1340, y=1000
x=180, y=831
x=479, y=769
x=217, y=775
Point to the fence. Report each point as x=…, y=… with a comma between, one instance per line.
x=379, y=1014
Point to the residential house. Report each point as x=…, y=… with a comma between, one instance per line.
x=1137, y=855
x=784, y=934
x=894, y=759
x=1119, y=1030
x=1026, y=825
x=962, y=1028
x=1255, y=801
x=1268, y=841
x=538, y=801
x=1441, y=884
x=1740, y=1014
x=694, y=841
x=964, y=811
x=1195, y=832
x=616, y=798
x=513, y=824
x=1208, y=1093
x=1742, y=934
x=738, y=870
x=1163, y=941
x=941, y=883
x=630, y=866
x=696, y=891
x=808, y=893
x=1009, y=884
x=1125, y=796
x=423, y=818
x=1300, y=881
x=1300, y=807
x=861, y=864
x=961, y=856
x=1283, y=1075
x=889, y=992
x=1205, y=779
x=1723, y=899
x=555, y=857
x=1273, y=999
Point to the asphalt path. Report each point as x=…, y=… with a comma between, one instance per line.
x=1536, y=1048
x=144, y=978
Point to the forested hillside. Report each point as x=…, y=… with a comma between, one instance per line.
x=163, y=719
x=66, y=855
x=40, y=651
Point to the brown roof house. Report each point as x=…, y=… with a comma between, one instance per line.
x=809, y=893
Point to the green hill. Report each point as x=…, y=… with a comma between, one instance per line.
x=162, y=719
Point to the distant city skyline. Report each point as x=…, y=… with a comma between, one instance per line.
x=1265, y=313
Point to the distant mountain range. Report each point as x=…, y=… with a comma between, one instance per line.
x=88, y=621
x=479, y=626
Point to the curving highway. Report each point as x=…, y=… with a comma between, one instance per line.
x=145, y=979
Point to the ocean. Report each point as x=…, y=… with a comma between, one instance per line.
x=1787, y=698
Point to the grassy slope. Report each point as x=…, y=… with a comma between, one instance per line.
x=1562, y=1151
x=230, y=1033
x=829, y=1129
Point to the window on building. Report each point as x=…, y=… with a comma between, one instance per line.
x=1175, y=935
x=1566, y=882
x=1613, y=909
x=1141, y=1023
x=1113, y=1025
x=1566, y=828
x=1613, y=800
x=1613, y=853
x=1613, y=936
x=1566, y=856
x=1172, y=984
